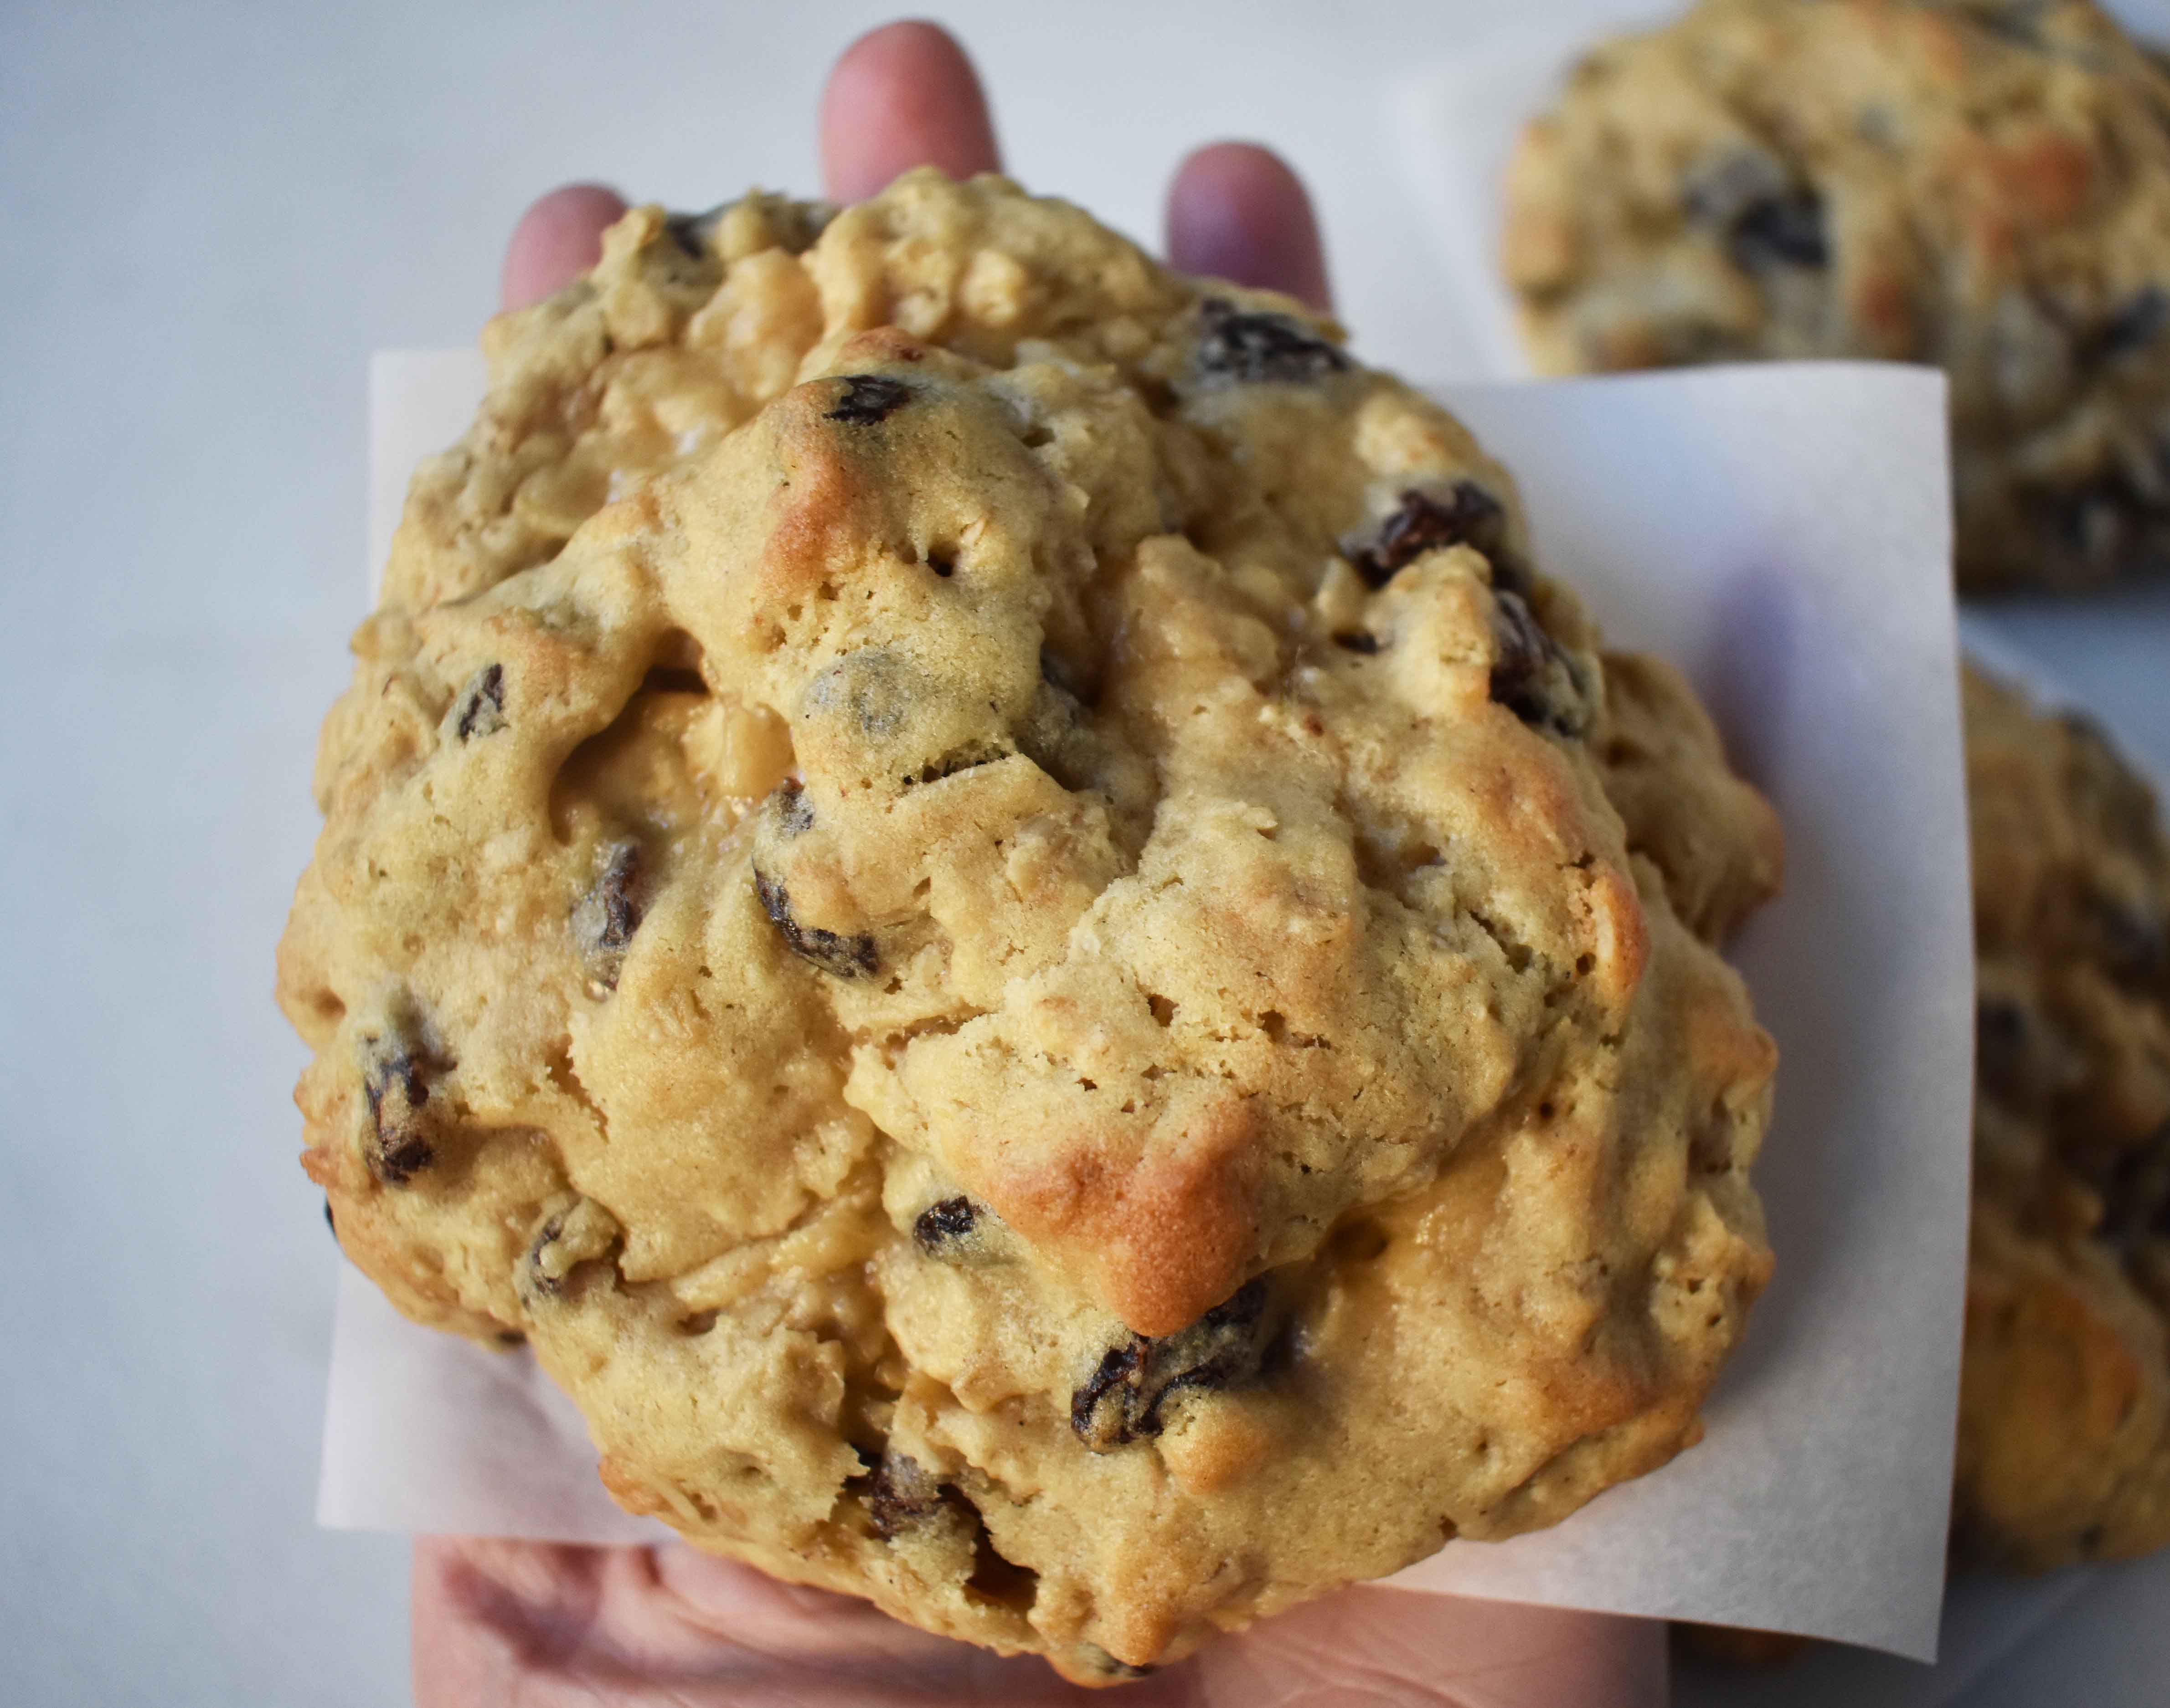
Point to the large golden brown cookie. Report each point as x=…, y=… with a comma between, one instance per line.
x=980, y=887
x=1984, y=184
x=2064, y=1445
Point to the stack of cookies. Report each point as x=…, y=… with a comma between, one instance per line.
x=985, y=892
x=1983, y=184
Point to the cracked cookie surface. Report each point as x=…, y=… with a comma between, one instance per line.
x=2064, y=1442
x=980, y=887
x=1981, y=184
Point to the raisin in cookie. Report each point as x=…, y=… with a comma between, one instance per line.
x=2064, y=1445
x=1984, y=184
x=981, y=888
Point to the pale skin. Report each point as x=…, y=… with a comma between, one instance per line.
x=535, y=1625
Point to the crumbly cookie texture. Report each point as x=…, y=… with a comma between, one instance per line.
x=978, y=887
x=1984, y=184
x=2064, y=1442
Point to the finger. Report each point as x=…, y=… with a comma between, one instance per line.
x=1236, y=211
x=902, y=96
x=556, y=240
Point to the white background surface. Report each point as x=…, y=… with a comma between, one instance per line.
x=209, y=215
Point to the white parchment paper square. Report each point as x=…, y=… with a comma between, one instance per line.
x=1781, y=533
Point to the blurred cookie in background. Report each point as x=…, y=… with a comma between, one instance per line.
x=2064, y=1431
x=1983, y=187
x=2064, y=1434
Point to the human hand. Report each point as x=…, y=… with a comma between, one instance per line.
x=542, y=1625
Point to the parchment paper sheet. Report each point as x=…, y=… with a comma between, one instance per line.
x=1781, y=533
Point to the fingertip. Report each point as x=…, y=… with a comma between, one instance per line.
x=558, y=239
x=1238, y=212
x=904, y=95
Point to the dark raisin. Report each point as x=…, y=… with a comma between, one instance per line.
x=610, y=913
x=329, y=1221
x=1357, y=640
x=581, y=1233
x=1752, y=202
x=789, y=807
x=1468, y=516
x=2136, y=942
x=1530, y=669
x=944, y=1224
x=395, y=1081
x=868, y=398
x=1099, y=1661
x=2136, y=1191
x=1121, y=1400
x=2136, y=324
x=1101, y=1406
x=1257, y=348
x=1780, y=231
x=832, y=951
x=693, y=231
x=2006, y=1050
x=482, y=707
x=540, y=1276
x=2091, y=1538
x=2000, y=1026
x=903, y=1493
